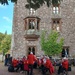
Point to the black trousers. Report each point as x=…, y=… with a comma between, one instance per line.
x=61, y=69
x=20, y=66
x=31, y=69
x=44, y=69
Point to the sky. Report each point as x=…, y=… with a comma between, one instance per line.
x=6, y=18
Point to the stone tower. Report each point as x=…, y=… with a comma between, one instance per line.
x=26, y=38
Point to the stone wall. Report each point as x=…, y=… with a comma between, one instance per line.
x=67, y=9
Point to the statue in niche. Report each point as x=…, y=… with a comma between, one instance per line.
x=31, y=24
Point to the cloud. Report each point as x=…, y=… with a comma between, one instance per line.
x=7, y=19
x=3, y=6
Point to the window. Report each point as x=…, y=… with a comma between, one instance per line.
x=56, y=24
x=65, y=51
x=31, y=24
x=56, y=9
x=31, y=49
x=31, y=11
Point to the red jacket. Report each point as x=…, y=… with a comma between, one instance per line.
x=14, y=62
x=65, y=64
x=31, y=59
x=26, y=65
x=48, y=62
x=39, y=62
x=49, y=66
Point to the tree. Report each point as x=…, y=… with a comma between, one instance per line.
x=51, y=44
x=6, y=1
x=1, y=37
x=35, y=4
x=5, y=44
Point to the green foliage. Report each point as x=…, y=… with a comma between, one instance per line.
x=35, y=4
x=5, y=44
x=6, y=1
x=56, y=1
x=1, y=37
x=50, y=43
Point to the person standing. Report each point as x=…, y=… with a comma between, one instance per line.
x=31, y=59
x=6, y=60
x=64, y=66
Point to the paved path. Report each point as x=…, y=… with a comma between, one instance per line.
x=4, y=71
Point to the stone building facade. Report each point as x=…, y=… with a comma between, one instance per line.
x=57, y=17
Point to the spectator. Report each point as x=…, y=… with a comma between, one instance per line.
x=6, y=60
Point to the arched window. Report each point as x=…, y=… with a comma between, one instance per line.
x=56, y=9
x=31, y=49
x=65, y=51
x=32, y=11
x=56, y=24
x=31, y=24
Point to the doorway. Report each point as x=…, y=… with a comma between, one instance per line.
x=65, y=51
x=31, y=49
